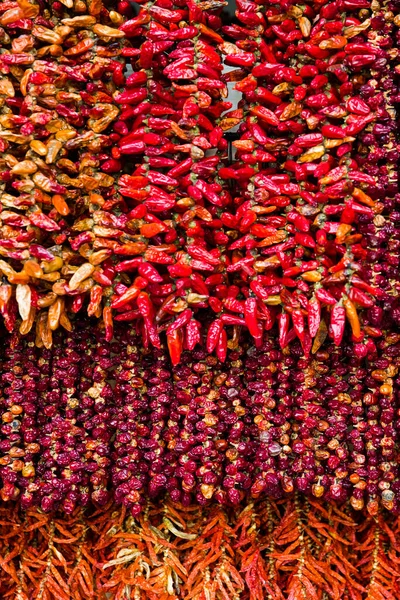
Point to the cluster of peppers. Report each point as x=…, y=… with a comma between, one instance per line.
x=305, y=182
x=59, y=73
x=89, y=421
x=119, y=196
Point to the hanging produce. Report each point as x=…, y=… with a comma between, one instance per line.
x=199, y=300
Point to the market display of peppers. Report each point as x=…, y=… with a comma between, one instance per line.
x=199, y=302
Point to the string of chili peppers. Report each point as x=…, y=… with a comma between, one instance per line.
x=266, y=421
x=266, y=550
x=347, y=240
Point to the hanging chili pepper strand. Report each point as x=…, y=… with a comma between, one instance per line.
x=250, y=218
x=59, y=483
x=131, y=431
x=184, y=124
x=86, y=348
x=193, y=425
x=150, y=109
x=260, y=368
x=99, y=432
x=47, y=491
x=308, y=410
x=48, y=129
x=307, y=141
x=382, y=385
x=235, y=430
x=18, y=447
x=380, y=156
x=160, y=392
x=71, y=432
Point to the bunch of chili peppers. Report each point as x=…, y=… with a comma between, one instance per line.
x=265, y=549
x=199, y=375
x=119, y=196
x=90, y=421
x=299, y=164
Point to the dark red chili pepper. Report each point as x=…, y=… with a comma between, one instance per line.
x=232, y=320
x=149, y=272
x=314, y=316
x=337, y=323
x=362, y=285
x=222, y=346
x=360, y=297
x=304, y=239
x=192, y=334
x=180, y=321
x=325, y=297
x=213, y=335
x=283, y=320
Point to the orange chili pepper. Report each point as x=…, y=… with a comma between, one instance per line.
x=60, y=205
x=351, y=314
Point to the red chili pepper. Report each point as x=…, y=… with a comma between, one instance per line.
x=131, y=146
x=132, y=96
x=130, y=315
x=215, y=304
x=234, y=305
x=314, y=316
x=362, y=177
x=304, y=239
x=180, y=321
x=263, y=94
x=130, y=293
x=192, y=334
x=265, y=115
x=42, y=221
x=356, y=123
x=283, y=320
x=309, y=140
x=325, y=297
x=301, y=222
x=337, y=323
x=357, y=106
x=179, y=270
x=232, y=320
x=362, y=285
x=244, y=59
x=181, y=168
x=108, y=323
x=149, y=272
x=77, y=303
x=197, y=282
x=360, y=298
x=128, y=265
x=222, y=346
x=202, y=254
x=213, y=335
